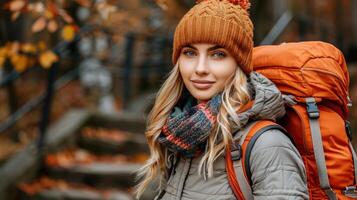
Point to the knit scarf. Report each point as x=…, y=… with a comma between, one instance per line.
x=187, y=129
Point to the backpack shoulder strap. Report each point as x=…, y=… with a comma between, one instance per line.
x=237, y=179
x=249, y=144
x=354, y=156
x=239, y=175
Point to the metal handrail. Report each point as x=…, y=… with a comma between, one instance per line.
x=12, y=76
x=278, y=28
x=36, y=101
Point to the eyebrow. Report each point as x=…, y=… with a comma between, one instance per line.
x=209, y=49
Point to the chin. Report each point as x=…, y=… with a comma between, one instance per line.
x=202, y=96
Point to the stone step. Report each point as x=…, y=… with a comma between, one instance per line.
x=25, y=167
x=134, y=144
x=99, y=175
x=78, y=194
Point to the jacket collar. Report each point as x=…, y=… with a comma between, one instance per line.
x=267, y=102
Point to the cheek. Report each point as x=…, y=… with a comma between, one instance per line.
x=223, y=74
x=185, y=69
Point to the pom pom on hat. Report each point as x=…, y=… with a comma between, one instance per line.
x=245, y=4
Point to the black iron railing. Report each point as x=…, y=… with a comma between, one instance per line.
x=54, y=83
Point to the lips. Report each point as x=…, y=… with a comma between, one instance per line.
x=202, y=84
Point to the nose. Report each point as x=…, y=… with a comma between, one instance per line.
x=202, y=67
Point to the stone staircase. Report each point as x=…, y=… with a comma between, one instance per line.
x=78, y=167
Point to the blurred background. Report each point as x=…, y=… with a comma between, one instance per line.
x=77, y=78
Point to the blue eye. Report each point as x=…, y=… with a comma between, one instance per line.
x=189, y=53
x=218, y=54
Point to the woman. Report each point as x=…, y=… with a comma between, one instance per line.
x=200, y=107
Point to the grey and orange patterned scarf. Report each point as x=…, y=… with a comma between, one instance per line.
x=189, y=126
x=187, y=129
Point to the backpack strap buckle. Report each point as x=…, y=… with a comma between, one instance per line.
x=350, y=191
x=312, y=109
x=236, y=152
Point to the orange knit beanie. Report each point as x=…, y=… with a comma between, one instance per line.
x=222, y=22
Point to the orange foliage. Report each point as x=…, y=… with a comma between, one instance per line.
x=19, y=61
x=45, y=183
x=47, y=58
x=105, y=134
x=73, y=157
x=39, y=25
x=16, y=5
x=23, y=56
x=36, y=187
x=68, y=32
x=47, y=16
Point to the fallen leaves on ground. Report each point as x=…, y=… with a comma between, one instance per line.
x=105, y=134
x=8, y=147
x=46, y=183
x=73, y=157
x=69, y=97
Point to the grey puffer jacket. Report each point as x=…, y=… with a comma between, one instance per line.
x=276, y=166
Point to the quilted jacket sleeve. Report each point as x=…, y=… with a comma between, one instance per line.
x=277, y=168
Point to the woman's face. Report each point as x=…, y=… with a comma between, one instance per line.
x=205, y=68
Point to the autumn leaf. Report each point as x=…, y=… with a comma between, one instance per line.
x=19, y=62
x=67, y=18
x=68, y=33
x=36, y=7
x=139, y=158
x=12, y=48
x=28, y=48
x=3, y=55
x=3, y=51
x=51, y=160
x=47, y=182
x=49, y=15
x=29, y=189
x=105, y=9
x=17, y=5
x=47, y=58
x=39, y=25
x=2, y=61
x=52, y=26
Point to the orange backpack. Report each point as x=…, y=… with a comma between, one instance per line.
x=315, y=76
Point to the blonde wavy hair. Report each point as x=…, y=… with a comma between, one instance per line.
x=234, y=95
